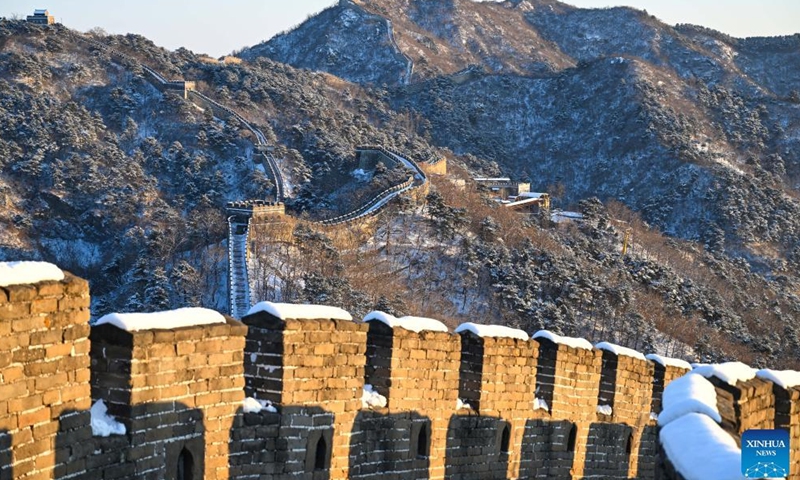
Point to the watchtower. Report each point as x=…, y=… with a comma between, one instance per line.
x=240, y=217
x=41, y=17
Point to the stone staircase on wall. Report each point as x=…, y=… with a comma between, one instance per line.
x=238, y=278
x=239, y=289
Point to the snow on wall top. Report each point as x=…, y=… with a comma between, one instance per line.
x=286, y=311
x=415, y=324
x=689, y=393
x=182, y=317
x=568, y=341
x=492, y=331
x=20, y=273
x=700, y=449
x=782, y=378
x=618, y=350
x=669, y=362
x=730, y=372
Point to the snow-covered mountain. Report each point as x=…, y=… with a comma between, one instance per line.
x=697, y=130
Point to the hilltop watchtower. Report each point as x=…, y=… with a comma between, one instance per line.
x=240, y=217
x=255, y=209
x=41, y=17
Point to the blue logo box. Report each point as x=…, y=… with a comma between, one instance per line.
x=765, y=453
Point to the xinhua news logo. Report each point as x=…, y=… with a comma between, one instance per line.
x=765, y=453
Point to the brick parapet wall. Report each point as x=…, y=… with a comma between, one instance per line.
x=395, y=446
x=569, y=380
x=434, y=168
x=747, y=405
x=44, y=374
x=322, y=366
x=181, y=390
x=633, y=391
x=507, y=389
x=173, y=389
x=645, y=442
x=663, y=375
x=756, y=404
x=787, y=417
x=632, y=397
x=576, y=385
x=417, y=372
x=474, y=448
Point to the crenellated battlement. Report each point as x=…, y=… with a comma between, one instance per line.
x=537, y=408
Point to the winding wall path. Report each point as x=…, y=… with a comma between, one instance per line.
x=238, y=274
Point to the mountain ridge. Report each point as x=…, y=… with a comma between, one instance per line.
x=708, y=104
x=101, y=167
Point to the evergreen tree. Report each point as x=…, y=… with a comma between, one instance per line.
x=384, y=305
x=134, y=304
x=139, y=275
x=445, y=219
x=186, y=284
x=156, y=296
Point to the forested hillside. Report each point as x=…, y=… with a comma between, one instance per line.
x=642, y=127
x=696, y=130
x=126, y=185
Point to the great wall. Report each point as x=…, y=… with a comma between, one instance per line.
x=240, y=214
x=532, y=404
x=458, y=405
